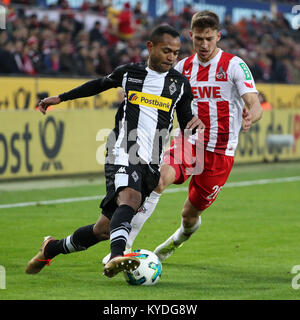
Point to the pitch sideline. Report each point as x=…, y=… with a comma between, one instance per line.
x=172, y=190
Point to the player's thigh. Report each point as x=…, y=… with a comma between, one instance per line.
x=204, y=188
x=130, y=197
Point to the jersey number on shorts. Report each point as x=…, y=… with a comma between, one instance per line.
x=213, y=195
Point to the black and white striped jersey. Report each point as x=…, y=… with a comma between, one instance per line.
x=145, y=118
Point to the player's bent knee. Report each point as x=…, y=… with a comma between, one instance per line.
x=101, y=228
x=160, y=187
x=101, y=236
x=167, y=177
x=101, y=233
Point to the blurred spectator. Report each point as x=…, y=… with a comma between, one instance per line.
x=91, y=62
x=263, y=101
x=3, y=38
x=103, y=67
x=169, y=17
x=111, y=36
x=98, y=6
x=256, y=70
x=28, y=67
x=33, y=22
x=96, y=34
x=51, y=62
x=65, y=25
x=7, y=61
x=19, y=48
x=81, y=58
x=126, y=25
x=112, y=16
x=48, y=41
x=34, y=54
x=140, y=16
x=278, y=72
x=34, y=45
x=68, y=63
x=187, y=15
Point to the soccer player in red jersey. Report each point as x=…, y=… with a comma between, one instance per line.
x=225, y=99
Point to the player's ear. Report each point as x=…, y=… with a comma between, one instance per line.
x=219, y=36
x=191, y=34
x=150, y=45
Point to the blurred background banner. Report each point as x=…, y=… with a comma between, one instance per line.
x=279, y=96
x=275, y=137
x=23, y=93
x=60, y=143
x=69, y=143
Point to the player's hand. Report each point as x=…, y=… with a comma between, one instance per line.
x=194, y=124
x=45, y=103
x=246, y=121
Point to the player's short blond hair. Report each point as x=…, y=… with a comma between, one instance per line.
x=205, y=19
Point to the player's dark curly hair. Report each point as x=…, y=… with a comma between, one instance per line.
x=159, y=31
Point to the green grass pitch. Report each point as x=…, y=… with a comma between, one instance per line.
x=246, y=247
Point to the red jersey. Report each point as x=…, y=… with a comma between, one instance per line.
x=218, y=86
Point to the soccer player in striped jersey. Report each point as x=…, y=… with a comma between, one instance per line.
x=153, y=91
x=222, y=85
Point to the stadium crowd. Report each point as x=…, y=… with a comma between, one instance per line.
x=32, y=46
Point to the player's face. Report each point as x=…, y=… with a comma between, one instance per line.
x=163, y=54
x=205, y=42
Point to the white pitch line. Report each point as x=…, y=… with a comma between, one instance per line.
x=261, y=181
x=47, y=202
x=172, y=190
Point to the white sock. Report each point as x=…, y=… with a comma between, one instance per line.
x=182, y=234
x=141, y=216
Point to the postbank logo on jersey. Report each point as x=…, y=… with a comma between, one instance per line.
x=149, y=100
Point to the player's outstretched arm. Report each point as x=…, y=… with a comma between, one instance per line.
x=45, y=103
x=89, y=88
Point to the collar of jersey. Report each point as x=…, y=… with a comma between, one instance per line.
x=156, y=72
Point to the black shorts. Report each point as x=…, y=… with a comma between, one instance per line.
x=140, y=177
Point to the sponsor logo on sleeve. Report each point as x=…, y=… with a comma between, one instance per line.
x=246, y=71
x=249, y=85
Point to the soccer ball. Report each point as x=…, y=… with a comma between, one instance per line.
x=149, y=270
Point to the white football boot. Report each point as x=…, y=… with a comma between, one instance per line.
x=166, y=249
